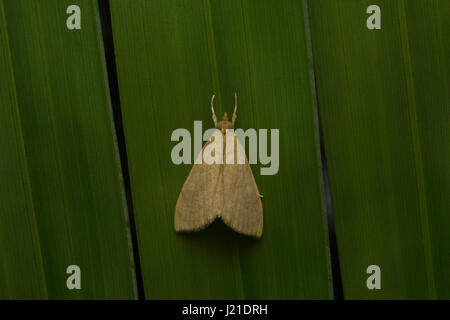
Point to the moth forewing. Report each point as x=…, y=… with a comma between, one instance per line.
x=197, y=203
x=242, y=210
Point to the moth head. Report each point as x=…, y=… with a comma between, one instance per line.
x=225, y=117
x=225, y=124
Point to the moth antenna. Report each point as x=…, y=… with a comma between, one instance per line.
x=233, y=119
x=212, y=103
x=212, y=109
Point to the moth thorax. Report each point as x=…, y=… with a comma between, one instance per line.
x=224, y=124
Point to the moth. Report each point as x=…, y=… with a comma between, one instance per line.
x=221, y=185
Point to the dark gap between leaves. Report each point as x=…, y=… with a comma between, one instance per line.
x=108, y=44
x=334, y=253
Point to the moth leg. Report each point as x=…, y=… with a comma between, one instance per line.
x=213, y=113
x=233, y=119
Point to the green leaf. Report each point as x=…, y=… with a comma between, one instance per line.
x=171, y=56
x=64, y=158
x=384, y=103
x=21, y=275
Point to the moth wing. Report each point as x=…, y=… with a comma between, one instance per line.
x=242, y=209
x=198, y=202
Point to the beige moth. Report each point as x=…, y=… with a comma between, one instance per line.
x=220, y=185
